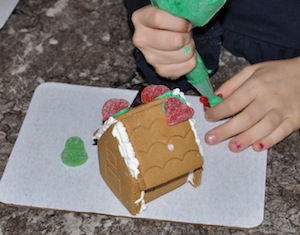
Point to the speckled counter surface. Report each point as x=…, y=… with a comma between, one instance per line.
x=88, y=43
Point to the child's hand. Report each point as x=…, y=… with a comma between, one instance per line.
x=165, y=41
x=265, y=99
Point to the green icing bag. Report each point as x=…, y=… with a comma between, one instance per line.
x=198, y=12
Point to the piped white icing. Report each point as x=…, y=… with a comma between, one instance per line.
x=198, y=142
x=177, y=91
x=171, y=147
x=197, y=139
x=143, y=206
x=190, y=177
x=126, y=149
x=142, y=201
x=104, y=128
x=141, y=198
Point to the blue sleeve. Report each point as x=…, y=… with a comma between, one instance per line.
x=133, y=5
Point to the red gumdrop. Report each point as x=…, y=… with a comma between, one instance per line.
x=177, y=111
x=152, y=91
x=113, y=106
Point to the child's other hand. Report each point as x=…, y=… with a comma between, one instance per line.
x=165, y=41
x=265, y=101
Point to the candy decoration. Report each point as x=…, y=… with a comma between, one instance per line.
x=74, y=153
x=176, y=111
x=205, y=102
x=113, y=106
x=152, y=91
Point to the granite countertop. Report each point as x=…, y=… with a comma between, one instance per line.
x=89, y=43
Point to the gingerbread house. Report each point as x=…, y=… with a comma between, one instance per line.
x=142, y=158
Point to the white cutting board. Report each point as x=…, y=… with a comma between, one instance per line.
x=231, y=194
x=6, y=8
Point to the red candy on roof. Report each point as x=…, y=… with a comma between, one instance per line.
x=113, y=106
x=152, y=91
x=177, y=111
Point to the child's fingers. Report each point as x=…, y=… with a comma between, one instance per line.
x=176, y=70
x=282, y=131
x=236, y=81
x=234, y=103
x=258, y=130
x=160, y=39
x=234, y=126
x=156, y=18
x=158, y=29
x=162, y=57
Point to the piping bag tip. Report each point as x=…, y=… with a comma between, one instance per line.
x=205, y=89
x=213, y=101
x=198, y=78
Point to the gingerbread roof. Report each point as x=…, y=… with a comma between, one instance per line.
x=164, y=152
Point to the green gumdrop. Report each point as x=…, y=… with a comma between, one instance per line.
x=74, y=153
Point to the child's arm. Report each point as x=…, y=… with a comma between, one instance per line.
x=265, y=101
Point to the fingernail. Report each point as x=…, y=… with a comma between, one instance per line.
x=261, y=146
x=211, y=139
x=207, y=117
x=237, y=145
x=220, y=95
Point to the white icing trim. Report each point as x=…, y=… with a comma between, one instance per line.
x=190, y=177
x=197, y=139
x=104, y=128
x=141, y=198
x=143, y=206
x=126, y=149
x=177, y=91
x=142, y=201
x=198, y=142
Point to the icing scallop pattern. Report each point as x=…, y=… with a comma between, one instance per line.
x=165, y=143
x=156, y=169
